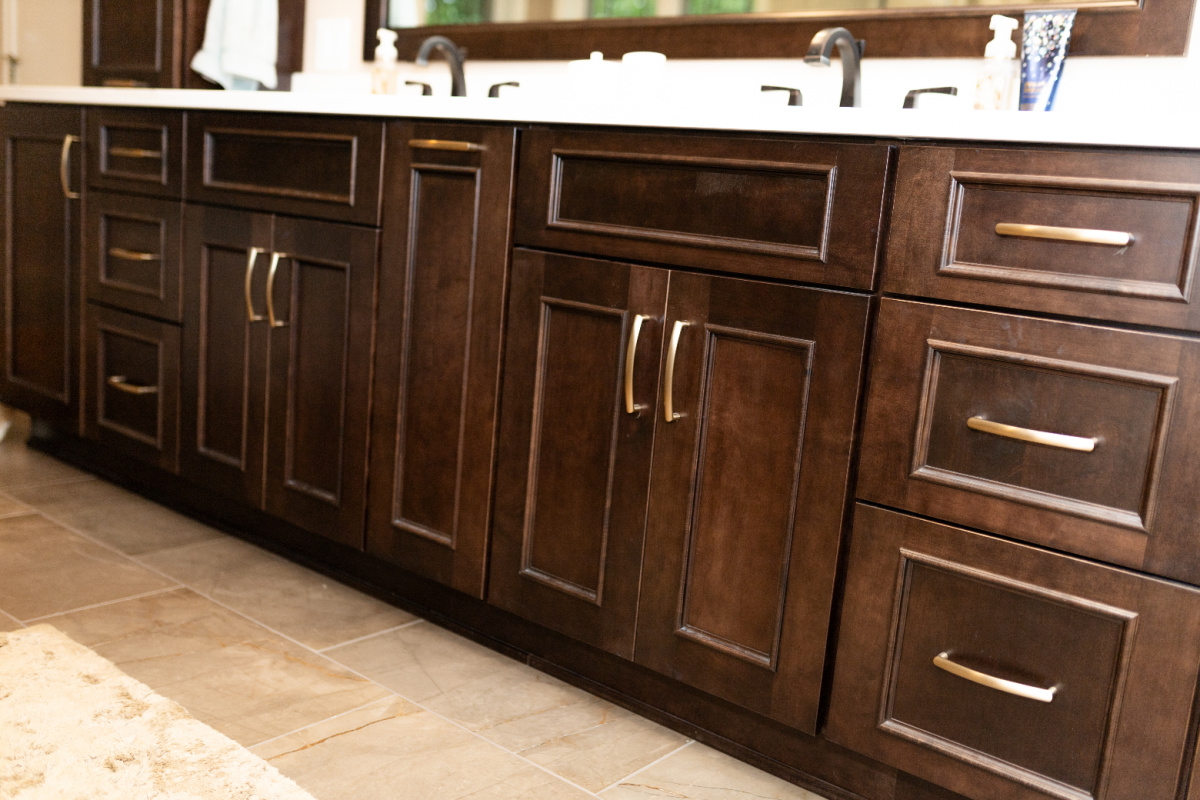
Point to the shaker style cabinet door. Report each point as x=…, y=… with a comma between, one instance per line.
x=132, y=42
x=577, y=424
x=759, y=395
x=445, y=259
x=41, y=174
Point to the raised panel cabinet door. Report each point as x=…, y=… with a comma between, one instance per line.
x=222, y=426
x=444, y=264
x=42, y=180
x=132, y=42
x=760, y=392
x=319, y=301
x=577, y=425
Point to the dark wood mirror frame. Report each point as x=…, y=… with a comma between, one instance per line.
x=1119, y=28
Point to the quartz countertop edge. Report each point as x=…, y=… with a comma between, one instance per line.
x=1179, y=130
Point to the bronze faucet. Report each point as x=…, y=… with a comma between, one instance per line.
x=454, y=57
x=850, y=50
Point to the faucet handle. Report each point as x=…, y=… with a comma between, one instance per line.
x=794, y=96
x=495, y=90
x=910, y=99
x=426, y=89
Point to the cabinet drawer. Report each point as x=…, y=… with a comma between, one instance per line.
x=136, y=151
x=133, y=259
x=1107, y=235
x=805, y=211
x=131, y=385
x=304, y=165
x=1078, y=437
x=1002, y=671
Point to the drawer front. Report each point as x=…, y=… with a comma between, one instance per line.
x=1000, y=670
x=796, y=210
x=1073, y=436
x=133, y=253
x=304, y=165
x=136, y=151
x=1107, y=235
x=131, y=385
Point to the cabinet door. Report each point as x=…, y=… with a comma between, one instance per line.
x=226, y=254
x=320, y=298
x=445, y=251
x=574, y=463
x=42, y=225
x=132, y=42
x=749, y=490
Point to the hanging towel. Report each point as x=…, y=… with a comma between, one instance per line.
x=241, y=44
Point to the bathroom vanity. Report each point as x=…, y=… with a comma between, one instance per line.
x=860, y=450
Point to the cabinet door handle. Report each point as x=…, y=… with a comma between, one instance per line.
x=445, y=144
x=1061, y=440
x=64, y=167
x=122, y=383
x=125, y=83
x=131, y=255
x=1083, y=235
x=253, y=254
x=630, y=360
x=274, y=323
x=942, y=661
x=669, y=382
x=134, y=152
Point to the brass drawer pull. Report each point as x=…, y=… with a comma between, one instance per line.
x=445, y=144
x=1083, y=235
x=134, y=152
x=125, y=83
x=253, y=253
x=274, y=323
x=942, y=661
x=121, y=382
x=64, y=167
x=131, y=255
x=669, y=382
x=630, y=360
x=1061, y=440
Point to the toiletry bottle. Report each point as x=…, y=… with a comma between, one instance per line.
x=1000, y=74
x=384, y=75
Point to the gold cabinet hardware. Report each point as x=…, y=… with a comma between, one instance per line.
x=669, y=382
x=445, y=144
x=253, y=254
x=1083, y=235
x=942, y=661
x=275, y=258
x=125, y=83
x=131, y=255
x=122, y=383
x=1060, y=440
x=134, y=152
x=630, y=360
x=64, y=166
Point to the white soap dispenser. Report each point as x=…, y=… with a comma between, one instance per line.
x=1000, y=75
x=385, y=75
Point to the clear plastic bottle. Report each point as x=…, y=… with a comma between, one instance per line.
x=998, y=87
x=385, y=74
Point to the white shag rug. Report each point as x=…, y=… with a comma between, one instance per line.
x=73, y=726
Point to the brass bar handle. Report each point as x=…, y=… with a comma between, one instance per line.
x=630, y=360
x=1060, y=440
x=131, y=255
x=1081, y=235
x=445, y=144
x=275, y=258
x=124, y=83
x=64, y=167
x=134, y=152
x=122, y=383
x=942, y=661
x=253, y=254
x=669, y=383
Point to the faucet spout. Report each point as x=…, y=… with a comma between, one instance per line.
x=454, y=57
x=850, y=50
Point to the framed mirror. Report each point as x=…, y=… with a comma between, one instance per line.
x=570, y=29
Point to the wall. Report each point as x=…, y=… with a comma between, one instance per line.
x=49, y=41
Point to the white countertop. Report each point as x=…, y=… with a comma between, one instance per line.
x=1177, y=128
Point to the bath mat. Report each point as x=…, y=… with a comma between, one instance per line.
x=73, y=726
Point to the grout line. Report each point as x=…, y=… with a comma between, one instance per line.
x=57, y=482
x=14, y=619
x=619, y=781
x=408, y=624
x=321, y=722
x=106, y=603
x=176, y=548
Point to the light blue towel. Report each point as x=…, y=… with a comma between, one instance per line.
x=241, y=44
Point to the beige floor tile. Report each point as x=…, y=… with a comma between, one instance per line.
x=393, y=749
x=228, y=672
x=293, y=600
x=116, y=517
x=20, y=466
x=47, y=569
x=578, y=736
x=7, y=623
x=701, y=773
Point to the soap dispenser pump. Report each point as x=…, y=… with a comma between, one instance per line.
x=384, y=76
x=1000, y=75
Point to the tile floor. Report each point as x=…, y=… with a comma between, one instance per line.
x=346, y=695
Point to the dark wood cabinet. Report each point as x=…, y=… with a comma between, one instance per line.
x=443, y=270
x=43, y=181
